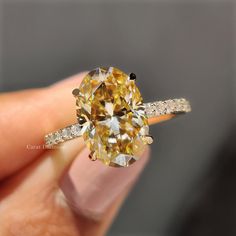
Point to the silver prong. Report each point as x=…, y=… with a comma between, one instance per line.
x=147, y=139
x=132, y=76
x=92, y=157
x=76, y=92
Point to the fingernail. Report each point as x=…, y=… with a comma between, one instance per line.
x=91, y=187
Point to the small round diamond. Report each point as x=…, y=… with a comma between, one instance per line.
x=50, y=140
x=75, y=130
x=66, y=133
x=57, y=137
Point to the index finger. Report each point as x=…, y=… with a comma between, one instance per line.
x=28, y=115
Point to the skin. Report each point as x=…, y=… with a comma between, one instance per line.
x=31, y=202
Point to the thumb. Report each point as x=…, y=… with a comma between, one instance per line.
x=96, y=191
x=32, y=202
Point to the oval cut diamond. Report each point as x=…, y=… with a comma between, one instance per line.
x=111, y=112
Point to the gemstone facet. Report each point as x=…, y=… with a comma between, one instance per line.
x=111, y=113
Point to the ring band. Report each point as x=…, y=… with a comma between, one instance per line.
x=156, y=112
x=112, y=117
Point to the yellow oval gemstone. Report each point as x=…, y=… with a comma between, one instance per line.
x=110, y=109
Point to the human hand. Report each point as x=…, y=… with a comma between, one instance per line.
x=41, y=191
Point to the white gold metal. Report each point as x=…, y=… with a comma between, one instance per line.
x=167, y=107
x=152, y=109
x=62, y=135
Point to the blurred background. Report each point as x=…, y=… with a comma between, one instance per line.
x=177, y=49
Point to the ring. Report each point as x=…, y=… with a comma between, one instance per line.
x=112, y=118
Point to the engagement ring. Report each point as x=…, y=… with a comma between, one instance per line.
x=112, y=118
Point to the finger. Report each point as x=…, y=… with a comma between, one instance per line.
x=31, y=203
x=90, y=227
x=26, y=116
x=95, y=191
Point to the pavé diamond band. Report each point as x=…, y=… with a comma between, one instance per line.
x=155, y=111
x=112, y=118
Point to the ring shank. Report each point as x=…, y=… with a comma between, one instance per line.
x=156, y=112
x=164, y=110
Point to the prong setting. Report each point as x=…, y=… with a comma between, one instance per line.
x=132, y=76
x=92, y=157
x=76, y=92
x=147, y=139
